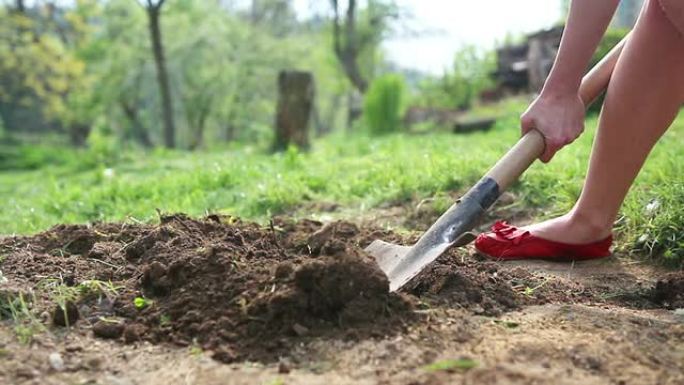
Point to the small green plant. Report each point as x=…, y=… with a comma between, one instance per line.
x=275, y=381
x=99, y=288
x=18, y=309
x=451, y=365
x=142, y=302
x=529, y=291
x=164, y=320
x=61, y=293
x=195, y=350
x=383, y=104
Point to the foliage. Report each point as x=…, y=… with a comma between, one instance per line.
x=383, y=104
x=141, y=303
x=41, y=67
x=459, y=86
x=87, y=66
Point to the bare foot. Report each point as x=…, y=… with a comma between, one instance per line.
x=570, y=228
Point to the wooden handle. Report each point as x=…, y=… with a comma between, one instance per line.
x=509, y=168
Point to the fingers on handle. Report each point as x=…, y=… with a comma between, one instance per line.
x=527, y=123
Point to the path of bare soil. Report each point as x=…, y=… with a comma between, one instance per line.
x=220, y=301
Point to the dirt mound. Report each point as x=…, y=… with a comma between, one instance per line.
x=238, y=289
x=250, y=292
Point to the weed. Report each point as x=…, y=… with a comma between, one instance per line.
x=451, y=365
x=99, y=288
x=60, y=293
x=141, y=302
x=164, y=320
x=275, y=381
x=18, y=309
x=195, y=350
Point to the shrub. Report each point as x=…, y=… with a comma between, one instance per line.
x=383, y=104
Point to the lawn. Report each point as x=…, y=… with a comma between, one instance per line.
x=353, y=170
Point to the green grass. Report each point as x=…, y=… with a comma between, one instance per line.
x=354, y=171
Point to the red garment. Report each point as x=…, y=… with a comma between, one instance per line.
x=510, y=243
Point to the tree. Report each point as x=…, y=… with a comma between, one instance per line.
x=153, y=9
x=276, y=16
x=295, y=101
x=358, y=34
x=19, y=6
x=45, y=79
x=347, y=50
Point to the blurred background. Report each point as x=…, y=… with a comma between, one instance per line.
x=194, y=74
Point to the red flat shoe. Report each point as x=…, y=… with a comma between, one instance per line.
x=509, y=243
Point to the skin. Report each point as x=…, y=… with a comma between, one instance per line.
x=643, y=98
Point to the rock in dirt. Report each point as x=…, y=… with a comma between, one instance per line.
x=132, y=333
x=56, y=361
x=66, y=316
x=108, y=329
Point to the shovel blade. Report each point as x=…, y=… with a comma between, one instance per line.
x=389, y=255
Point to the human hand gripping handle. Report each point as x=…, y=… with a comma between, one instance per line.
x=532, y=144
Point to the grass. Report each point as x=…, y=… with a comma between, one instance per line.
x=354, y=171
x=461, y=364
x=19, y=310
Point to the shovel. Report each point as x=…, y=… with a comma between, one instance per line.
x=452, y=229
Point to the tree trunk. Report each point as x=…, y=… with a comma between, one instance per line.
x=139, y=131
x=354, y=108
x=198, y=140
x=19, y=6
x=78, y=134
x=328, y=121
x=295, y=101
x=162, y=77
x=347, y=53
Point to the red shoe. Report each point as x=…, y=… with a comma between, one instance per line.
x=509, y=243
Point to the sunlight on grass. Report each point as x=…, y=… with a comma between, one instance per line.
x=360, y=171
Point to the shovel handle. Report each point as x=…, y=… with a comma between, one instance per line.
x=509, y=168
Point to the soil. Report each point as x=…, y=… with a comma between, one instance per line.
x=301, y=302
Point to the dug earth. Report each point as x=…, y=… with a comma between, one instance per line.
x=218, y=300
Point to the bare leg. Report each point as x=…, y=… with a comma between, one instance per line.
x=643, y=98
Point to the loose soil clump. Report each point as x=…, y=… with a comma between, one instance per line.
x=243, y=291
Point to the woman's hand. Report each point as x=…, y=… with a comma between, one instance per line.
x=559, y=118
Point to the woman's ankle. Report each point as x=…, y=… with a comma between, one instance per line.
x=592, y=225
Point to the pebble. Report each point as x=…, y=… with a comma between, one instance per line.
x=679, y=315
x=300, y=329
x=283, y=368
x=56, y=361
x=26, y=372
x=106, y=329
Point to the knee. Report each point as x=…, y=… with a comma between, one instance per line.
x=656, y=15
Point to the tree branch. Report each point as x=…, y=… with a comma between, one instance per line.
x=336, y=29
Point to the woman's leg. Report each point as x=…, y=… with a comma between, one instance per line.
x=644, y=96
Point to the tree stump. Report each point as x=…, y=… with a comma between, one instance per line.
x=295, y=103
